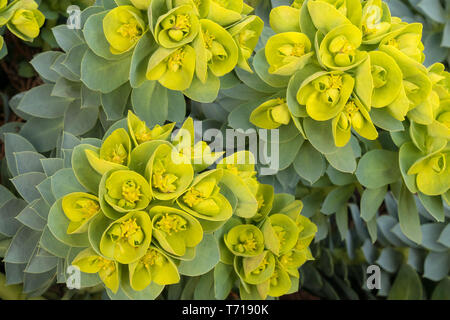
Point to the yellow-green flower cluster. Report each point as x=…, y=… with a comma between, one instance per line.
x=267, y=249
x=22, y=18
x=195, y=42
x=346, y=58
x=147, y=211
x=149, y=202
x=425, y=159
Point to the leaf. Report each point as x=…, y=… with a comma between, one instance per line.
x=28, y=161
x=407, y=285
x=224, y=279
x=40, y=103
x=378, y=168
x=371, y=200
x=444, y=237
x=177, y=106
x=319, y=134
x=409, y=216
x=8, y=224
x=67, y=38
x=433, y=205
x=442, y=290
x=431, y=233
x=22, y=246
x=94, y=71
x=42, y=62
x=144, y=49
x=390, y=259
x=150, y=103
x=53, y=245
x=42, y=133
x=437, y=265
x=343, y=160
x=207, y=256
x=115, y=102
x=342, y=221
x=309, y=163
x=336, y=199
x=26, y=185
x=58, y=224
x=65, y=182
x=382, y=119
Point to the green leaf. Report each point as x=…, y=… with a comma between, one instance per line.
x=53, y=245
x=67, y=38
x=437, y=265
x=26, y=185
x=343, y=160
x=382, y=119
x=144, y=49
x=378, y=168
x=73, y=59
x=320, y=135
x=207, y=256
x=42, y=133
x=407, y=285
x=371, y=200
x=22, y=246
x=409, y=216
x=42, y=63
x=204, y=92
x=262, y=69
x=65, y=182
x=342, y=221
x=150, y=103
x=94, y=71
x=336, y=199
x=40, y=103
x=309, y=163
x=434, y=206
x=58, y=224
x=224, y=279
x=442, y=290
x=115, y=102
x=28, y=161
x=8, y=212
x=390, y=259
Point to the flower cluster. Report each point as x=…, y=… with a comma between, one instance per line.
x=267, y=249
x=22, y=18
x=150, y=202
x=344, y=60
x=195, y=42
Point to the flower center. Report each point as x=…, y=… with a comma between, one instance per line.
x=175, y=60
x=128, y=231
x=131, y=30
x=193, y=197
x=106, y=265
x=280, y=233
x=144, y=134
x=88, y=207
x=296, y=50
x=331, y=87
x=344, y=51
x=286, y=259
x=131, y=192
x=247, y=243
x=164, y=182
x=261, y=267
x=118, y=154
x=214, y=49
x=179, y=26
x=153, y=257
x=379, y=75
x=171, y=223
